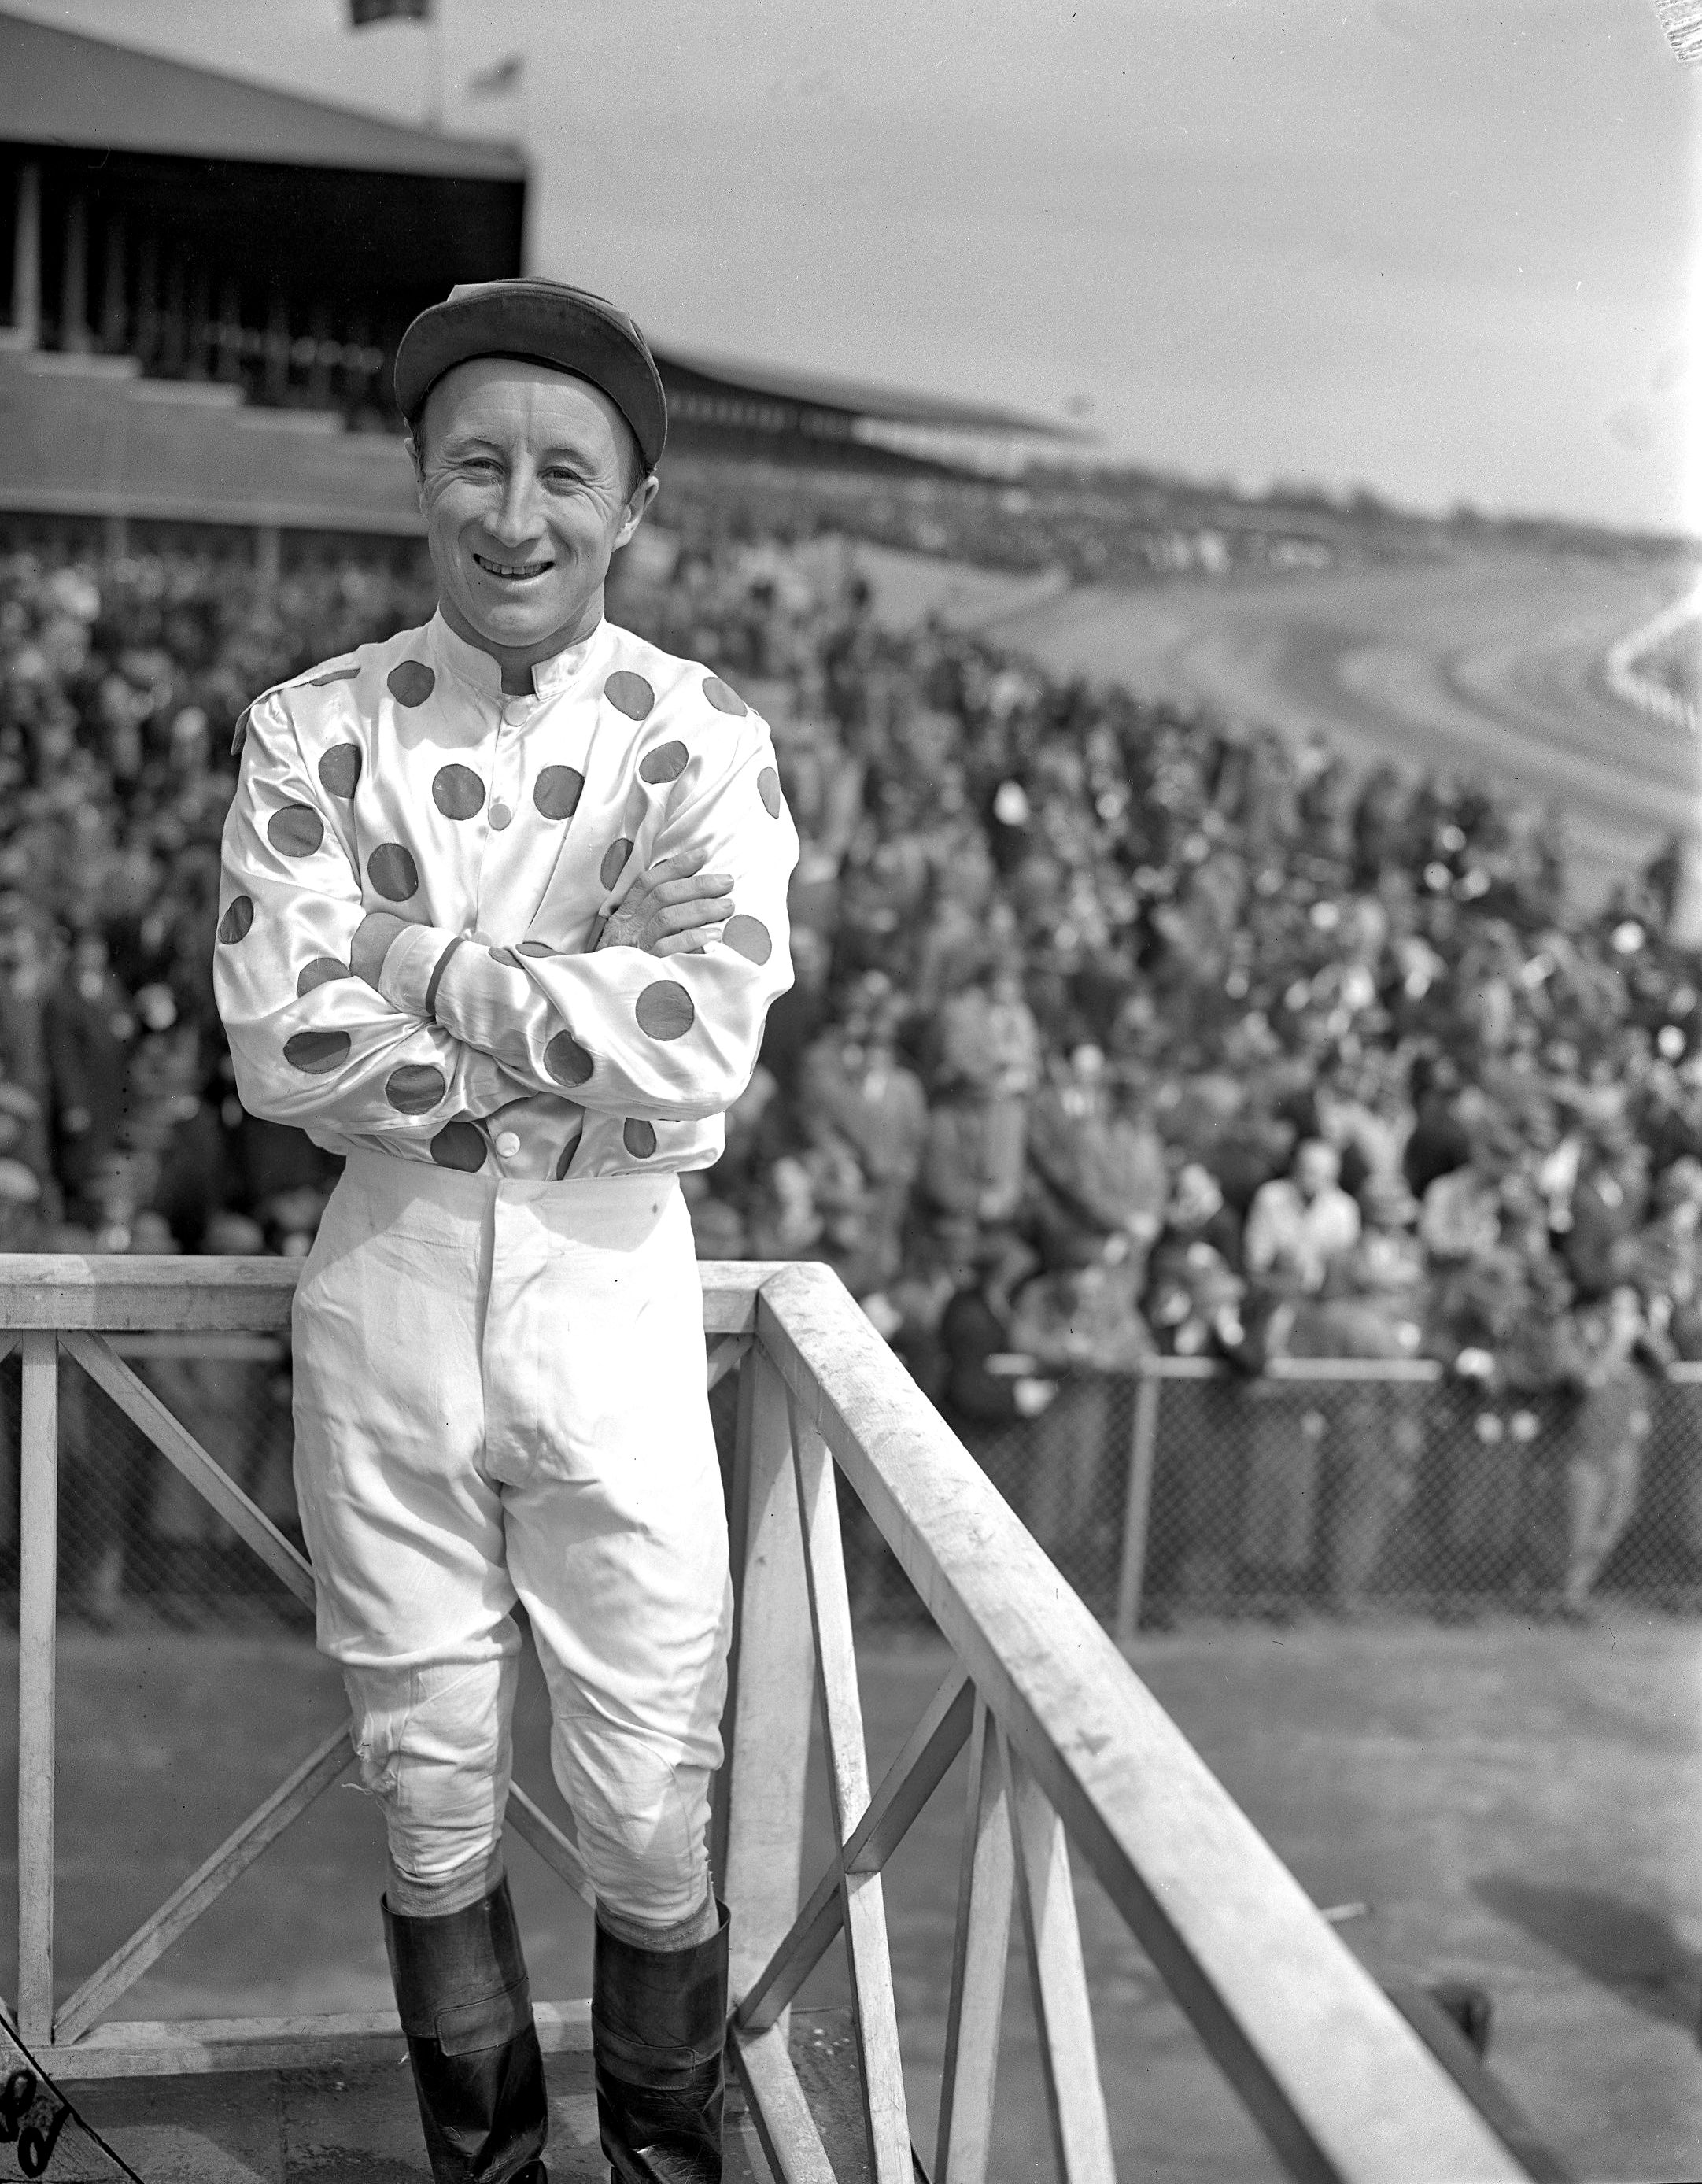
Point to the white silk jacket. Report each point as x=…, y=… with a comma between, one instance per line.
x=504, y=831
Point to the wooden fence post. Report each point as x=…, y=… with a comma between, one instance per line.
x=1136, y=1508
x=38, y=1526
x=758, y=1837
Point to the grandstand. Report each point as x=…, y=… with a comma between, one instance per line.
x=209, y=279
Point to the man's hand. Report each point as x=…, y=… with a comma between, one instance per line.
x=673, y=910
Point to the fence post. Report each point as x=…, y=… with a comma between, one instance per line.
x=38, y=1528
x=1137, y=1507
x=759, y=1831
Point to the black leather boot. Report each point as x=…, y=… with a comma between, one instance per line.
x=658, y=2027
x=465, y=2006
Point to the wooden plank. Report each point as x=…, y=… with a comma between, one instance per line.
x=534, y=1827
x=38, y=1552
x=975, y=2009
x=1058, y=1981
x=730, y=1288
x=106, y=1291
x=205, y=1885
x=907, y=1784
x=1137, y=1499
x=188, y=2046
x=255, y=1349
x=778, y=2108
x=874, y=2005
x=758, y=1841
x=1325, y=2064
x=119, y=1289
x=179, y=1446
x=728, y=1352
x=916, y=1773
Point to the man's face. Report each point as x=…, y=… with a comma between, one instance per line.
x=527, y=487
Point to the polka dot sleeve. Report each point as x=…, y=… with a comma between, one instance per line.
x=653, y=1039
x=311, y=1043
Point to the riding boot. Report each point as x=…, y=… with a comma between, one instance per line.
x=465, y=2006
x=659, y=2026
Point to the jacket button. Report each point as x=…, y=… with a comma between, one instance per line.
x=508, y=1145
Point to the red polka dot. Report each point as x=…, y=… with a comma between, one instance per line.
x=629, y=693
x=315, y=1052
x=566, y=1060
x=667, y=762
x=297, y=831
x=320, y=973
x=614, y=862
x=394, y=871
x=722, y=697
x=336, y=674
x=241, y=737
x=460, y=1145
x=234, y=924
x=768, y=787
x=665, y=1010
x=557, y=791
x=457, y=791
x=339, y=769
x=411, y=683
x=638, y=1138
x=747, y=937
x=504, y=955
x=416, y=1088
x=536, y=948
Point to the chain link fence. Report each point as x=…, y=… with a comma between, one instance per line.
x=1345, y=1489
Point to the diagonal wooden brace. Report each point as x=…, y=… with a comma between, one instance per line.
x=209, y=1881
x=179, y=1446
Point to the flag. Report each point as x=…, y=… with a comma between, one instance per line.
x=501, y=77
x=363, y=12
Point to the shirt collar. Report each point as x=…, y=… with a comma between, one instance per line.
x=550, y=677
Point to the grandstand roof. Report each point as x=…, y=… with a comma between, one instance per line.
x=858, y=398
x=60, y=89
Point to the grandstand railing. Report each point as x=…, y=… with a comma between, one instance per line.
x=1068, y=1754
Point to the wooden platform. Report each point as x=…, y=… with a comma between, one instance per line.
x=359, y=2125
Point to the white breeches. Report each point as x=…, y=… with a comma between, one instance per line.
x=499, y=1393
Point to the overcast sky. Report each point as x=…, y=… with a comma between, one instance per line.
x=1444, y=248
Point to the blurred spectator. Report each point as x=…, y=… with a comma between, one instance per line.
x=1301, y=1224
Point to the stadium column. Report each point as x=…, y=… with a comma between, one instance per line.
x=113, y=317
x=74, y=279
x=26, y=257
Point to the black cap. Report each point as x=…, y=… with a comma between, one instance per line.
x=540, y=322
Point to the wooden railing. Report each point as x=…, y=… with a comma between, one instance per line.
x=1069, y=1757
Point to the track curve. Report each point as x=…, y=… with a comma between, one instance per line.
x=1489, y=664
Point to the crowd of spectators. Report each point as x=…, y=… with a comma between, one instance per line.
x=1116, y=1031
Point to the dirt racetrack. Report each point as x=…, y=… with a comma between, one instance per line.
x=1515, y=1805
x=1487, y=664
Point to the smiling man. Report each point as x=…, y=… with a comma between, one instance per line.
x=503, y=911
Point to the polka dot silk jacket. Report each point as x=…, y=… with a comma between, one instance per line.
x=477, y=843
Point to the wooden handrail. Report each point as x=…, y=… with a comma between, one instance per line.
x=109, y=1292
x=1067, y=1744
x=1319, y=2057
